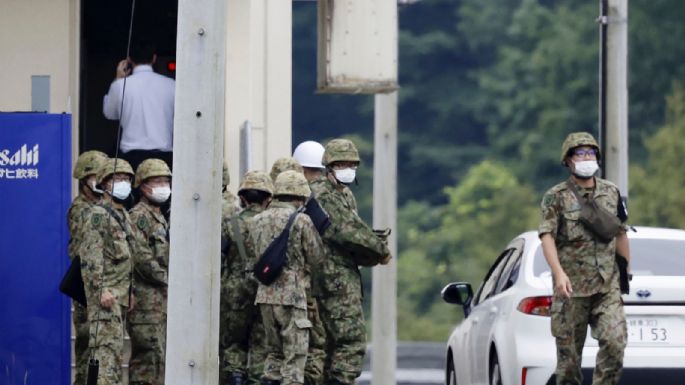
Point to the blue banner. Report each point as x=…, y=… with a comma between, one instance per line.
x=35, y=193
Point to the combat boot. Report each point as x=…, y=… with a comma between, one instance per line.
x=236, y=378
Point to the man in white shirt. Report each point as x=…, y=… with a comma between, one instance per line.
x=148, y=108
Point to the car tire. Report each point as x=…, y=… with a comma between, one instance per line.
x=495, y=371
x=451, y=375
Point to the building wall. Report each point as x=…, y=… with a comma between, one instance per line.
x=40, y=37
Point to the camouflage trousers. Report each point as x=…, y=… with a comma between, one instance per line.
x=316, y=355
x=287, y=342
x=146, y=365
x=108, y=347
x=241, y=331
x=570, y=320
x=80, y=319
x=343, y=318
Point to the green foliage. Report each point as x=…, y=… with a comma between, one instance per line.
x=656, y=191
x=482, y=214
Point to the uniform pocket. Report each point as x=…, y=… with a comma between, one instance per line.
x=573, y=227
x=303, y=324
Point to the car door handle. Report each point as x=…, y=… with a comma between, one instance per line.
x=475, y=320
x=493, y=310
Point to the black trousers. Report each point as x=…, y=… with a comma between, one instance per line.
x=136, y=157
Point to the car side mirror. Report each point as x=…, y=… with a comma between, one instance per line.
x=459, y=293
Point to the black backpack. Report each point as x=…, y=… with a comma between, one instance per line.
x=72, y=282
x=271, y=263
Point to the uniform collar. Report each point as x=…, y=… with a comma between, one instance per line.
x=142, y=68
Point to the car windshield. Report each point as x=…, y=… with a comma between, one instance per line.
x=648, y=257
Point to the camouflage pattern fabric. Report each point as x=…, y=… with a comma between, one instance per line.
x=241, y=330
x=591, y=267
x=106, y=264
x=76, y=216
x=283, y=304
x=589, y=264
x=229, y=204
x=147, y=322
x=570, y=318
x=287, y=338
x=316, y=354
x=340, y=282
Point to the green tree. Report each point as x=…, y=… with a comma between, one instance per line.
x=483, y=213
x=656, y=188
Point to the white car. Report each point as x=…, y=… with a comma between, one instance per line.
x=505, y=337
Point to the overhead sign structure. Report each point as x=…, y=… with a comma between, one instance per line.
x=357, y=46
x=35, y=193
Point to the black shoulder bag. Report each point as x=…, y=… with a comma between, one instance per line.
x=271, y=263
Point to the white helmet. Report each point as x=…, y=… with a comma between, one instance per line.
x=309, y=154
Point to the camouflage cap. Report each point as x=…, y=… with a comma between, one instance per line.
x=150, y=168
x=285, y=164
x=88, y=164
x=256, y=180
x=577, y=139
x=340, y=150
x=107, y=169
x=292, y=183
x=225, y=177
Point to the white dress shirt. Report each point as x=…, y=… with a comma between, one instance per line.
x=148, y=117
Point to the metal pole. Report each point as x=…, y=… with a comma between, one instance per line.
x=616, y=148
x=193, y=306
x=603, y=22
x=384, y=285
x=245, y=148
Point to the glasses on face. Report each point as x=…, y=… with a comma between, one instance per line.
x=585, y=152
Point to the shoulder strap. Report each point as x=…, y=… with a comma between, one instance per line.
x=120, y=221
x=238, y=235
x=573, y=189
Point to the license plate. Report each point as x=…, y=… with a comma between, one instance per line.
x=652, y=330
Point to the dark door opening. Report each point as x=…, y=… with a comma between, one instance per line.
x=104, y=35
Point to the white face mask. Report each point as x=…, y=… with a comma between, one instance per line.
x=586, y=168
x=121, y=190
x=345, y=175
x=160, y=194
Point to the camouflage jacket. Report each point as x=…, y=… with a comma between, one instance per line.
x=305, y=251
x=590, y=264
x=229, y=204
x=106, y=255
x=150, y=270
x=349, y=236
x=233, y=263
x=76, y=216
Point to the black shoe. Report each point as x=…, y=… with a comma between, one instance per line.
x=236, y=379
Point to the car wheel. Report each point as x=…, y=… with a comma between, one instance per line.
x=495, y=372
x=451, y=375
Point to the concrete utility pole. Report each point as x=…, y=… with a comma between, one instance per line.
x=193, y=307
x=384, y=285
x=616, y=136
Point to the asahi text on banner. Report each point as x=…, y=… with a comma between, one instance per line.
x=21, y=163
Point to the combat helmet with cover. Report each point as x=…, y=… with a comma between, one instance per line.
x=88, y=164
x=107, y=169
x=340, y=150
x=577, y=139
x=285, y=164
x=257, y=180
x=292, y=183
x=150, y=168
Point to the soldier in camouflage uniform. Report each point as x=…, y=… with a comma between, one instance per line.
x=349, y=242
x=309, y=154
x=284, y=164
x=241, y=330
x=584, y=271
x=147, y=322
x=85, y=172
x=107, y=251
x=283, y=304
